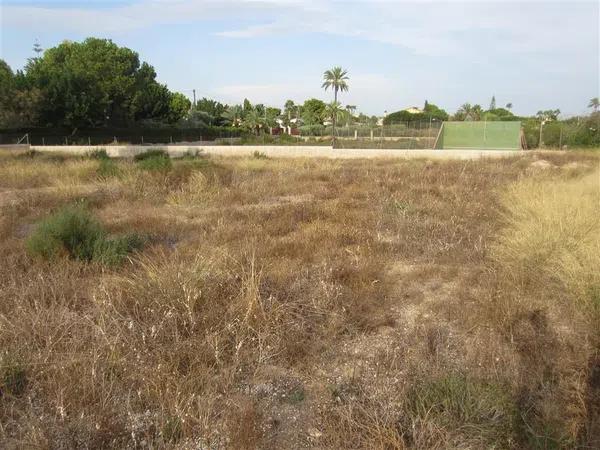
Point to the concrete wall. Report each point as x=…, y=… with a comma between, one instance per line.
x=14, y=148
x=123, y=151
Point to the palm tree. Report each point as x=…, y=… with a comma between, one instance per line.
x=351, y=110
x=253, y=120
x=334, y=111
x=464, y=112
x=337, y=80
x=594, y=103
x=233, y=115
x=509, y=106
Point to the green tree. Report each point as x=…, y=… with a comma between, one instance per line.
x=213, y=111
x=179, y=107
x=271, y=116
x=493, y=103
x=334, y=112
x=594, y=103
x=509, y=106
x=313, y=111
x=19, y=104
x=95, y=83
x=253, y=120
x=336, y=79
x=233, y=115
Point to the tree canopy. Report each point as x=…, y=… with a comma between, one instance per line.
x=92, y=83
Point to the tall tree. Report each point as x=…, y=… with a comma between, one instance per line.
x=96, y=83
x=594, y=103
x=350, y=109
x=493, y=103
x=233, y=115
x=336, y=79
x=509, y=106
x=313, y=111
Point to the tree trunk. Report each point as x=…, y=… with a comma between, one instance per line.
x=333, y=119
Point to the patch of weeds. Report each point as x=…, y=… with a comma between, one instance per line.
x=29, y=154
x=259, y=155
x=346, y=391
x=296, y=396
x=398, y=207
x=98, y=153
x=107, y=169
x=112, y=251
x=153, y=160
x=149, y=154
x=594, y=296
x=476, y=409
x=172, y=430
x=13, y=380
x=74, y=231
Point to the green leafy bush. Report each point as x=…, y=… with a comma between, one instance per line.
x=153, y=160
x=13, y=380
x=73, y=230
x=485, y=411
x=98, y=153
x=112, y=251
x=259, y=155
x=150, y=153
x=107, y=168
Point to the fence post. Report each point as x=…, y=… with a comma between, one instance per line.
x=560, y=139
x=89, y=141
x=142, y=139
x=43, y=141
x=371, y=133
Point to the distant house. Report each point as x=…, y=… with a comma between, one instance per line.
x=414, y=110
x=291, y=129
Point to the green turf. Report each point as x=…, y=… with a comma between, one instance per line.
x=480, y=135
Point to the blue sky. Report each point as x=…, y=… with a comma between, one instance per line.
x=535, y=54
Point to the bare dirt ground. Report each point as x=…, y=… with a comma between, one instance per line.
x=288, y=304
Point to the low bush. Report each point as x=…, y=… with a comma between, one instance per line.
x=107, y=168
x=13, y=379
x=149, y=154
x=259, y=155
x=98, y=153
x=154, y=160
x=73, y=230
x=476, y=410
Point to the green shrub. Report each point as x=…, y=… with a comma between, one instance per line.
x=154, y=160
x=13, y=380
x=480, y=409
x=150, y=153
x=113, y=251
x=98, y=153
x=259, y=155
x=73, y=230
x=107, y=168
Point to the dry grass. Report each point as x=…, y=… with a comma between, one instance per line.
x=305, y=303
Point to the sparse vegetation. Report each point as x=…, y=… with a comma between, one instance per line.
x=72, y=230
x=153, y=160
x=300, y=303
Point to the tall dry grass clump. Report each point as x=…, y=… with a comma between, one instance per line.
x=547, y=261
x=553, y=234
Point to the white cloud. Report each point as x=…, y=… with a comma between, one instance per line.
x=424, y=27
